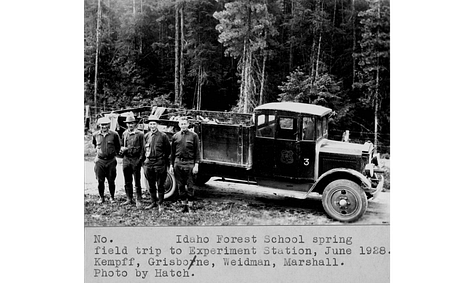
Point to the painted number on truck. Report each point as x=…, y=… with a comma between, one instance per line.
x=306, y=161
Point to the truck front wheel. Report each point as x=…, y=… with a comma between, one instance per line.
x=344, y=200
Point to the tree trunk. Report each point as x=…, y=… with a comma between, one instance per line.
x=332, y=36
x=315, y=64
x=243, y=88
x=181, y=56
x=176, y=55
x=353, y=43
x=377, y=80
x=96, y=75
x=317, y=56
x=290, y=63
x=248, y=74
x=199, y=90
x=263, y=78
x=313, y=60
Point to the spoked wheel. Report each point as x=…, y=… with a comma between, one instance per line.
x=344, y=200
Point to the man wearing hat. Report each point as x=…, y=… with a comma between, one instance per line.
x=107, y=144
x=185, y=158
x=132, y=150
x=156, y=156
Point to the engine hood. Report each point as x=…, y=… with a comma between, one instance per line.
x=346, y=148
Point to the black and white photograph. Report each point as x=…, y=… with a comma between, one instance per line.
x=276, y=112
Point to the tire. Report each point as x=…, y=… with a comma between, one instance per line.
x=170, y=186
x=344, y=200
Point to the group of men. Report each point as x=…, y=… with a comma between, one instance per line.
x=155, y=153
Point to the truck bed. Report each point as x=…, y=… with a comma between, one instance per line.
x=226, y=138
x=229, y=145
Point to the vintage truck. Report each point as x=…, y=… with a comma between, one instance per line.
x=283, y=145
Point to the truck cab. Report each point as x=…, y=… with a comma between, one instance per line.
x=287, y=136
x=292, y=151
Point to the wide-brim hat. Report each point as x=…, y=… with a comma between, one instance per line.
x=103, y=120
x=130, y=119
x=153, y=118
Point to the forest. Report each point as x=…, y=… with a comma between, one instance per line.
x=229, y=55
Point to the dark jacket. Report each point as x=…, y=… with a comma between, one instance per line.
x=156, y=149
x=107, y=145
x=133, y=141
x=185, y=147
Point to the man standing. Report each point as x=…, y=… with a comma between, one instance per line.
x=185, y=159
x=132, y=150
x=156, y=155
x=107, y=144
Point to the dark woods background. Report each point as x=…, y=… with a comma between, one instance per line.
x=234, y=55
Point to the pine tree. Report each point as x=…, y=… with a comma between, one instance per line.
x=374, y=59
x=244, y=27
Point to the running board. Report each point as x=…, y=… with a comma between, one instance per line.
x=274, y=191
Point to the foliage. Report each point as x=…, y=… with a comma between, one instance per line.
x=324, y=91
x=237, y=53
x=243, y=21
x=374, y=59
x=244, y=27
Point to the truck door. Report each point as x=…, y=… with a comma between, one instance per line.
x=307, y=148
x=294, y=148
x=286, y=148
x=263, y=154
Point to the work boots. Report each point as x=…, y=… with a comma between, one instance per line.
x=152, y=205
x=139, y=198
x=188, y=206
x=129, y=201
x=139, y=202
x=185, y=208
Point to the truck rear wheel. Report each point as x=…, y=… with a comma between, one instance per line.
x=344, y=200
x=170, y=186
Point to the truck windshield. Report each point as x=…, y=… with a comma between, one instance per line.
x=308, y=128
x=325, y=126
x=319, y=131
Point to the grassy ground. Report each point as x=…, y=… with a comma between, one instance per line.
x=207, y=212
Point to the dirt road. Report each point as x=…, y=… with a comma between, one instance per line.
x=218, y=190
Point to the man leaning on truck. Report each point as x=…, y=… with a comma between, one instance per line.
x=185, y=159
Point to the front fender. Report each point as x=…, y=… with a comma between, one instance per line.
x=342, y=173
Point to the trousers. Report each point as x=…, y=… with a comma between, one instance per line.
x=156, y=176
x=106, y=169
x=132, y=172
x=183, y=172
